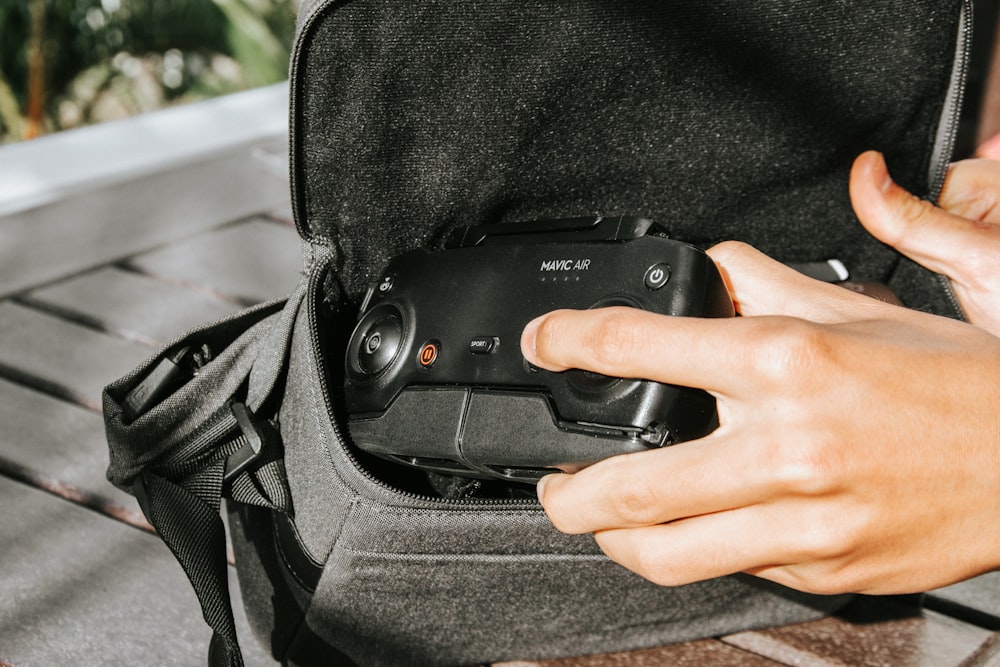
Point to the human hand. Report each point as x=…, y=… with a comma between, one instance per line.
x=859, y=445
x=960, y=239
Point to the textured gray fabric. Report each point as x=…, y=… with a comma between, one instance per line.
x=234, y=343
x=385, y=609
x=273, y=599
x=321, y=502
x=461, y=528
x=272, y=353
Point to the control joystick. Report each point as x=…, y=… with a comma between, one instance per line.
x=376, y=343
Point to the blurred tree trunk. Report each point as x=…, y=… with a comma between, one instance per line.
x=36, y=71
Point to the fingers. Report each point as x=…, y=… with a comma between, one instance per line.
x=760, y=285
x=731, y=357
x=939, y=240
x=718, y=355
x=693, y=550
x=633, y=343
x=971, y=190
x=658, y=486
x=749, y=539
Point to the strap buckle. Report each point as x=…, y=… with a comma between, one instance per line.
x=252, y=447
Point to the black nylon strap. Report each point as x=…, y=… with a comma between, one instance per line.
x=194, y=532
x=183, y=501
x=173, y=434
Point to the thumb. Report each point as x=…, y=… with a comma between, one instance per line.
x=939, y=240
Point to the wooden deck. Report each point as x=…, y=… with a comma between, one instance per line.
x=92, y=279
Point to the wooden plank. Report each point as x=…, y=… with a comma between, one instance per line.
x=688, y=654
x=81, y=589
x=130, y=304
x=60, y=357
x=103, y=225
x=63, y=164
x=60, y=447
x=988, y=654
x=871, y=632
x=976, y=600
x=253, y=261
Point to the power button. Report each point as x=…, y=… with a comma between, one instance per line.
x=657, y=276
x=428, y=354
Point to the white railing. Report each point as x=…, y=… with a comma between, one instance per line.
x=39, y=172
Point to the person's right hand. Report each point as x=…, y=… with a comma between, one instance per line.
x=857, y=449
x=858, y=441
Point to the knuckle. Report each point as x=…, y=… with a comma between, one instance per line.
x=790, y=352
x=809, y=468
x=615, y=339
x=839, y=575
x=832, y=582
x=832, y=541
x=637, y=502
x=820, y=542
x=917, y=213
x=827, y=553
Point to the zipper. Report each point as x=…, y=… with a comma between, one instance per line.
x=322, y=265
x=944, y=143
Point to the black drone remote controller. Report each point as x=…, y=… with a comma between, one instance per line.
x=435, y=377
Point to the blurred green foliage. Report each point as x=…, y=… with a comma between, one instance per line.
x=65, y=63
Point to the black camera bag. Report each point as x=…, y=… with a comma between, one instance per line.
x=726, y=120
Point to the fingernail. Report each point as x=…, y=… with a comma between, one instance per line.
x=540, y=488
x=528, y=337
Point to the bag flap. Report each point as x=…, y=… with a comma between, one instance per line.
x=719, y=120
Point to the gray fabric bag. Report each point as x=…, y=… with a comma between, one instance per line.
x=409, y=119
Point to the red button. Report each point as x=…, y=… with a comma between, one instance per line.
x=428, y=353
